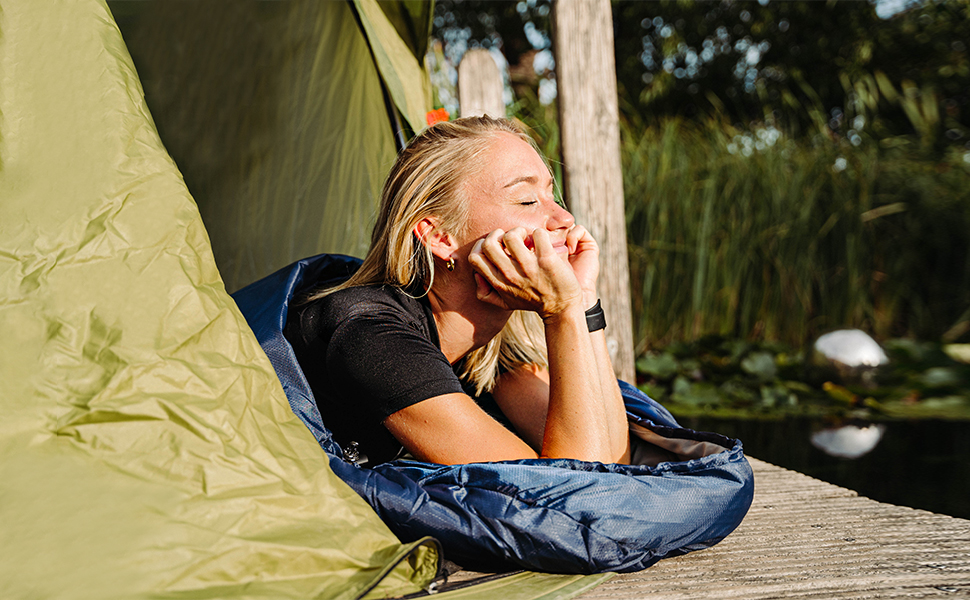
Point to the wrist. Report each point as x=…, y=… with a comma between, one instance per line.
x=590, y=298
x=572, y=312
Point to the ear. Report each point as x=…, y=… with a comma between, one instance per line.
x=441, y=243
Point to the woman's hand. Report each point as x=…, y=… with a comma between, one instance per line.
x=510, y=275
x=575, y=409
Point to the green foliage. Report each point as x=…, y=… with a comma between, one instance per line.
x=810, y=171
x=732, y=378
x=799, y=65
x=751, y=234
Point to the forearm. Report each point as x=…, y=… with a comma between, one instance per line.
x=585, y=418
x=610, y=389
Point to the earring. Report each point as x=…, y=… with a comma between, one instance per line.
x=450, y=265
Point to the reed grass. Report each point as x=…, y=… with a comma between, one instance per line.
x=750, y=234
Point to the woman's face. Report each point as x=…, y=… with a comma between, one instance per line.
x=514, y=189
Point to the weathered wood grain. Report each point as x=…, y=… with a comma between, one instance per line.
x=480, y=86
x=804, y=538
x=593, y=180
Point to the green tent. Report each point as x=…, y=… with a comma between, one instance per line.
x=281, y=116
x=146, y=448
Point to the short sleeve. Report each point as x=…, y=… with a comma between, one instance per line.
x=383, y=359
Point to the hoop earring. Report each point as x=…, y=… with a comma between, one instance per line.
x=450, y=265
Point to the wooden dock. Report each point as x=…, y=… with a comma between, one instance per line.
x=804, y=538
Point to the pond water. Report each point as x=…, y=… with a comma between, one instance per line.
x=920, y=463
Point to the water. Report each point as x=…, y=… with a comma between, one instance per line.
x=922, y=464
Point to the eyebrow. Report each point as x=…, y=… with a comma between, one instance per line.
x=525, y=179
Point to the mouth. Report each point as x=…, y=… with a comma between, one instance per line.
x=560, y=247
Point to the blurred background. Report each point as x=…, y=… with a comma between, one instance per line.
x=790, y=169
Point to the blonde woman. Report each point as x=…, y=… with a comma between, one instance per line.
x=419, y=351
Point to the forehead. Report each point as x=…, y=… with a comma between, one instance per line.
x=509, y=158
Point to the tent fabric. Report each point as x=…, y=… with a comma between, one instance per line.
x=555, y=515
x=146, y=446
x=413, y=20
x=275, y=112
x=398, y=66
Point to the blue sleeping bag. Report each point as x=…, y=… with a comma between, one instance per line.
x=688, y=491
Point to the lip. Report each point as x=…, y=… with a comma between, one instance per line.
x=559, y=247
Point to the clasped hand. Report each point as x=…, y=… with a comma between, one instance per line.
x=516, y=270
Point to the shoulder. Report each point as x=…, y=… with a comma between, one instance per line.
x=382, y=344
x=362, y=311
x=370, y=303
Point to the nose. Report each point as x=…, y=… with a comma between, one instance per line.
x=559, y=217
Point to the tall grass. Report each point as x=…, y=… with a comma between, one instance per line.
x=750, y=234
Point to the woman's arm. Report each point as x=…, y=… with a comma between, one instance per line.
x=452, y=429
x=523, y=396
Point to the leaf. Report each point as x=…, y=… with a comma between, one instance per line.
x=656, y=392
x=777, y=395
x=739, y=392
x=839, y=393
x=660, y=366
x=761, y=365
x=942, y=377
x=958, y=352
x=946, y=403
x=697, y=394
x=736, y=349
x=798, y=386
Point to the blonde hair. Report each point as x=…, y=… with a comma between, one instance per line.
x=427, y=180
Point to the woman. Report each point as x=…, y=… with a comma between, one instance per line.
x=468, y=233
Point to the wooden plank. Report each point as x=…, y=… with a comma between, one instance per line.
x=804, y=538
x=593, y=180
x=480, y=87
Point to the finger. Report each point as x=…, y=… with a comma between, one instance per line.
x=574, y=236
x=516, y=243
x=482, y=288
x=486, y=293
x=586, y=243
x=494, y=248
x=482, y=262
x=543, y=243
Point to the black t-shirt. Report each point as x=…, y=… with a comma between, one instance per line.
x=368, y=352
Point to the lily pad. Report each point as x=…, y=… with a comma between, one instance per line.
x=699, y=393
x=942, y=378
x=660, y=366
x=761, y=365
x=756, y=379
x=773, y=396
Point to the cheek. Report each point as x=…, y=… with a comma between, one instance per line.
x=483, y=222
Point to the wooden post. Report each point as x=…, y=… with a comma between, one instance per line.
x=589, y=124
x=480, y=86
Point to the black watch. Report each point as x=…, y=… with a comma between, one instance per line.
x=596, y=318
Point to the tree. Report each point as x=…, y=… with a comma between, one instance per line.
x=800, y=65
